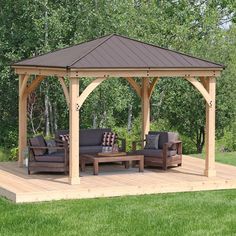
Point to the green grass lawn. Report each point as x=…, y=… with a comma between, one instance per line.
x=192, y=213
x=223, y=157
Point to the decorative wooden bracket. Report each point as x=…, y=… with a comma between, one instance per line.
x=203, y=81
x=34, y=84
x=134, y=85
x=201, y=89
x=152, y=86
x=65, y=90
x=89, y=89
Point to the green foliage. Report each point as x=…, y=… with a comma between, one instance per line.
x=227, y=143
x=192, y=213
x=14, y=154
x=30, y=28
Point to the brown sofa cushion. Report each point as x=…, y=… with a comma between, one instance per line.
x=155, y=153
x=87, y=137
x=90, y=149
x=38, y=141
x=54, y=157
x=91, y=137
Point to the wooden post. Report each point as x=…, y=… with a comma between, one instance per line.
x=22, y=142
x=210, y=129
x=145, y=107
x=74, y=132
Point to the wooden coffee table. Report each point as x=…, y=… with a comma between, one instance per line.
x=95, y=160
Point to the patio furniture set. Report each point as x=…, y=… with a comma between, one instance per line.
x=161, y=149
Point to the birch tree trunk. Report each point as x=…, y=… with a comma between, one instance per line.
x=129, y=125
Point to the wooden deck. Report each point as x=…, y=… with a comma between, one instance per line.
x=113, y=180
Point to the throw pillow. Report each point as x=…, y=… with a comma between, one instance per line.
x=51, y=143
x=109, y=138
x=65, y=138
x=152, y=141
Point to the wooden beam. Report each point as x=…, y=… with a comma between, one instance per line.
x=74, y=133
x=65, y=90
x=34, y=84
x=145, y=107
x=210, y=130
x=134, y=85
x=122, y=72
x=23, y=85
x=143, y=73
x=201, y=89
x=152, y=86
x=45, y=71
x=89, y=89
x=22, y=138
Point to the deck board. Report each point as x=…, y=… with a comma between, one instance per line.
x=113, y=180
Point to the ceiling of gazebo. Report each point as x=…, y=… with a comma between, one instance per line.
x=116, y=52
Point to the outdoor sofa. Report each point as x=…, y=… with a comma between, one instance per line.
x=168, y=151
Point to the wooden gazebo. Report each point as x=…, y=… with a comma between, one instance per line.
x=116, y=56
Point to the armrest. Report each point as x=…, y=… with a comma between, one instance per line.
x=134, y=144
x=123, y=144
x=168, y=145
x=56, y=147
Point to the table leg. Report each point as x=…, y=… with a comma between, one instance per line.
x=82, y=165
x=95, y=167
x=141, y=165
x=126, y=164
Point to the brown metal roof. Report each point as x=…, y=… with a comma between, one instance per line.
x=115, y=51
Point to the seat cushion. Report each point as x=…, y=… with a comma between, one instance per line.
x=54, y=157
x=38, y=141
x=90, y=149
x=91, y=137
x=165, y=137
x=155, y=153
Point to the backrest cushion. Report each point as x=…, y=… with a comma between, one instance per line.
x=109, y=138
x=92, y=137
x=87, y=137
x=165, y=137
x=38, y=141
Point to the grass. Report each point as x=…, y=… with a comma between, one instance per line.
x=192, y=213
x=223, y=157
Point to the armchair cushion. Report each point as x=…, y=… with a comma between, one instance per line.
x=38, y=141
x=152, y=141
x=54, y=157
x=158, y=153
x=165, y=137
x=51, y=143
